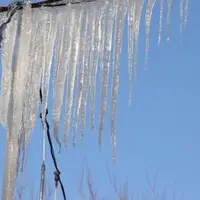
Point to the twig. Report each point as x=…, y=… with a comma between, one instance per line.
x=122, y=195
x=80, y=189
x=92, y=192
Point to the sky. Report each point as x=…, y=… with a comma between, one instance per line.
x=158, y=134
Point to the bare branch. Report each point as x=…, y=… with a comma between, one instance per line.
x=49, y=3
x=121, y=194
x=80, y=189
x=92, y=192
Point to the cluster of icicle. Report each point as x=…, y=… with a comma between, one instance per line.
x=83, y=40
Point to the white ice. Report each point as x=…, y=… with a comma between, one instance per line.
x=83, y=41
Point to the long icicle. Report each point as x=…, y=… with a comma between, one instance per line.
x=105, y=70
x=97, y=39
x=80, y=76
x=160, y=21
x=85, y=81
x=72, y=72
x=148, y=16
x=12, y=148
x=181, y=16
x=131, y=31
x=169, y=5
x=186, y=12
x=120, y=16
x=138, y=10
x=77, y=61
x=15, y=106
x=61, y=69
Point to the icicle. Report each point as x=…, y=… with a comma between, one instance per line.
x=49, y=31
x=10, y=168
x=88, y=65
x=169, y=5
x=55, y=193
x=7, y=55
x=72, y=71
x=15, y=106
x=102, y=43
x=97, y=39
x=61, y=55
x=138, y=10
x=147, y=26
x=28, y=96
x=84, y=100
x=131, y=21
x=160, y=21
x=80, y=74
x=22, y=147
x=85, y=81
x=181, y=16
x=28, y=108
x=119, y=24
x=59, y=78
x=11, y=148
x=81, y=36
x=186, y=12
x=106, y=68
x=93, y=28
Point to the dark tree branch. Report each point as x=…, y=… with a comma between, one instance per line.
x=48, y=3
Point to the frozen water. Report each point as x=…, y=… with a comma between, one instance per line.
x=148, y=15
x=117, y=46
x=78, y=38
x=107, y=43
x=169, y=6
x=160, y=21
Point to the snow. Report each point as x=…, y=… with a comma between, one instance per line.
x=84, y=41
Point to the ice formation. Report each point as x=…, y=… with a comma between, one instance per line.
x=83, y=40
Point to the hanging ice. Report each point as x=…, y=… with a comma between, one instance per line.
x=93, y=60
x=119, y=22
x=138, y=10
x=7, y=55
x=86, y=77
x=61, y=50
x=131, y=32
x=160, y=21
x=106, y=68
x=169, y=5
x=186, y=12
x=181, y=16
x=49, y=31
x=80, y=75
x=72, y=69
x=148, y=15
x=16, y=101
x=78, y=39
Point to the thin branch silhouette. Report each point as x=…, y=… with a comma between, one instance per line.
x=47, y=3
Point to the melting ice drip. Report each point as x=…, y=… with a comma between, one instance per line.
x=80, y=39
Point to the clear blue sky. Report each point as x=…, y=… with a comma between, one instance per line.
x=159, y=132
